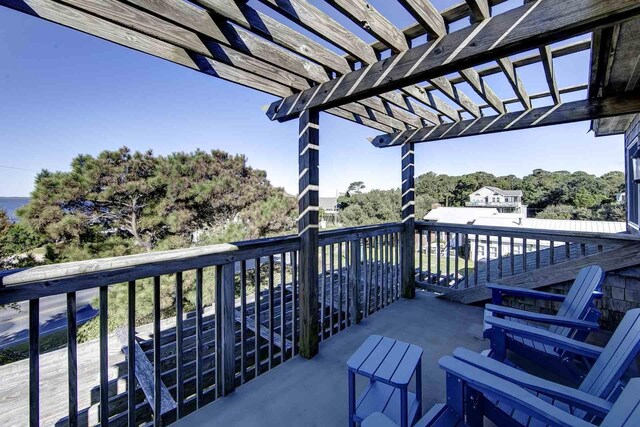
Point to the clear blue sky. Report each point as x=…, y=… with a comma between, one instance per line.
x=63, y=93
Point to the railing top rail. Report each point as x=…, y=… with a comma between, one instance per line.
x=355, y=233
x=37, y=282
x=532, y=233
x=47, y=280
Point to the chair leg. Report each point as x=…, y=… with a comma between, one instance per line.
x=352, y=398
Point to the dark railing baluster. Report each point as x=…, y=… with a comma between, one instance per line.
x=429, y=276
x=476, y=245
x=256, y=308
x=104, y=355
x=72, y=358
x=199, y=343
x=420, y=249
x=438, y=250
x=500, y=257
x=448, y=257
x=179, y=343
x=467, y=248
x=600, y=248
x=34, y=362
x=456, y=262
x=347, y=305
x=372, y=285
x=567, y=251
x=218, y=350
x=157, y=357
x=488, y=257
x=388, y=283
x=332, y=250
x=537, y=253
x=294, y=302
x=283, y=308
x=323, y=281
x=552, y=252
x=583, y=249
x=243, y=321
x=271, y=311
x=380, y=271
x=512, y=257
x=397, y=265
x=340, y=282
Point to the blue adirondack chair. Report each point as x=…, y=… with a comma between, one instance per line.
x=576, y=317
x=469, y=387
x=604, y=380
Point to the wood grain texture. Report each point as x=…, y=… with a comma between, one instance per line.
x=544, y=116
x=407, y=257
x=514, y=80
x=313, y=19
x=372, y=21
x=508, y=33
x=479, y=10
x=427, y=16
x=308, y=207
x=549, y=73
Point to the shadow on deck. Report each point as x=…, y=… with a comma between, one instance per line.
x=314, y=392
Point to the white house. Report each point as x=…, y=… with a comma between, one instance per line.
x=494, y=197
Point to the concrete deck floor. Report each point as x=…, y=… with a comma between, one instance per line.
x=314, y=392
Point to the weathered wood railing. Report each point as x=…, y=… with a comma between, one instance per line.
x=245, y=318
x=458, y=256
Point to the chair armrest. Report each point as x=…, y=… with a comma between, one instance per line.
x=573, y=397
x=510, y=393
x=545, y=337
x=542, y=318
x=516, y=291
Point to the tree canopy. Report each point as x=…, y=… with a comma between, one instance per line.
x=122, y=201
x=557, y=195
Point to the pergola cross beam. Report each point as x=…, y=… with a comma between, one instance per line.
x=526, y=27
x=538, y=117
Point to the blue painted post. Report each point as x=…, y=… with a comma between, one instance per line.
x=352, y=397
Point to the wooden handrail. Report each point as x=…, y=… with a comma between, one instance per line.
x=37, y=282
x=531, y=233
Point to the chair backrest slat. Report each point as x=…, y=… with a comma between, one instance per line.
x=626, y=410
x=621, y=350
x=577, y=303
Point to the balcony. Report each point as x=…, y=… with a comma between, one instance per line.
x=247, y=321
x=483, y=204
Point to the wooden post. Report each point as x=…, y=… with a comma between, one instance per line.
x=225, y=302
x=408, y=220
x=354, y=282
x=308, y=205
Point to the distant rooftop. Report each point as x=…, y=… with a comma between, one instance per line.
x=554, y=224
x=504, y=192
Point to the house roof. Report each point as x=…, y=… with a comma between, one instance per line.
x=502, y=192
x=554, y=224
x=455, y=215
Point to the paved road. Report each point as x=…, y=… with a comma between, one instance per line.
x=14, y=325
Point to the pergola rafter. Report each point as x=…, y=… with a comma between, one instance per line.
x=509, y=33
x=231, y=40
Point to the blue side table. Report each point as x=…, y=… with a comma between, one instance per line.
x=389, y=364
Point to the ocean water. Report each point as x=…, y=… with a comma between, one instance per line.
x=11, y=204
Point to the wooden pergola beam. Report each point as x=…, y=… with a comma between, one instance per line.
x=480, y=10
x=514, y=31
x=549, y=73
x=369, y=19
x=514, y=80
x=544, y=116
x=427, y=16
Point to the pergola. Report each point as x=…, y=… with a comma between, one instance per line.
x=405, y=85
